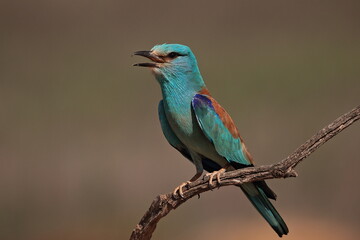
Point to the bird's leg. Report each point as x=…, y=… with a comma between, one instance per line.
x=199, y=170
x=180, y=187
x=217, y=174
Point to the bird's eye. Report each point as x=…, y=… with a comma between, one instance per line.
x=173, y=55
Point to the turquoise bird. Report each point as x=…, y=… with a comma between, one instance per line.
x=195, y=124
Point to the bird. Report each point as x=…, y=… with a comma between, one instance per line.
x=196, y=125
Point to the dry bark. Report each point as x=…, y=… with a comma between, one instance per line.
x=164, y=203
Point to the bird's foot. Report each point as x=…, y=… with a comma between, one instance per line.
x=213, y=174
x=179, y=189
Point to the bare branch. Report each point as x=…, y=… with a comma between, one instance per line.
x=164, y=203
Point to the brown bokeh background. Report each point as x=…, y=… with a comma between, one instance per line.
x=81, y=150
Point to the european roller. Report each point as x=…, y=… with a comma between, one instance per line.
x=195, y=124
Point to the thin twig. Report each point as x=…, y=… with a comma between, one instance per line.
x=164, y=203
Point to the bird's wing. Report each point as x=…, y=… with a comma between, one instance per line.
x=170, y=135
x=220, y=129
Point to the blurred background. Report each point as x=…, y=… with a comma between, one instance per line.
x=80, y=140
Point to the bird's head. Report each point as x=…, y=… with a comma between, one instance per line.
x=171, y=63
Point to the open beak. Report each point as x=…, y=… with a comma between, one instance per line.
x=150, y=55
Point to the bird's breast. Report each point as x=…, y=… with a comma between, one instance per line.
x=181, y=121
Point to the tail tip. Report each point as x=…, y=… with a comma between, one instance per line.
x=283, y=230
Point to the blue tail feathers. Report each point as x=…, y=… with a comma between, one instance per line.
x=261, y=202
